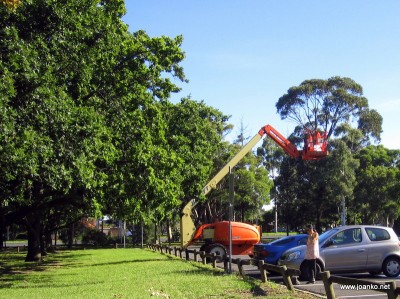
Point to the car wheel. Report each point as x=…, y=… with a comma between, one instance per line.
x=219, y=251
x=391, y=266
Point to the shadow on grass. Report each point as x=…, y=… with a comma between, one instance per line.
x=256, y=290
x=129, y=262
x=15, y=263
x=15, y=271
x=254, y=284
x=44, y=282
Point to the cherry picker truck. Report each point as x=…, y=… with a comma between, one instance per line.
x=215, y=236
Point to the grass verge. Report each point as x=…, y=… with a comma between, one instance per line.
x=124, y=273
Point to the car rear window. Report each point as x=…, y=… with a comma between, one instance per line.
x=377, y=234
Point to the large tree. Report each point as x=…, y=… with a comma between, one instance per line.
x=336, y=106
x=57, y=137
x=326, y=105
x=79, y=111
x=189, y=135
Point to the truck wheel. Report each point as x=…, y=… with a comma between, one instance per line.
x=219, y=251
x=391, y=267
x=204, y=247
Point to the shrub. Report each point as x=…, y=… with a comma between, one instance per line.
x=95, y=237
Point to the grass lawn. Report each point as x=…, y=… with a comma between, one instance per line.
x=124, y=273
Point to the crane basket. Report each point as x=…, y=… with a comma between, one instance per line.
x=315, y=145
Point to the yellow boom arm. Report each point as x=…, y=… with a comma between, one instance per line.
x=187, y=225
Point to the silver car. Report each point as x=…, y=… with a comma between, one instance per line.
x=353, y=248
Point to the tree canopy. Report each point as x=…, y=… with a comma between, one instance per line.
x=88, y=128
x=328, y=105
x=86, y=118
x=336, y=106
x=377, y=193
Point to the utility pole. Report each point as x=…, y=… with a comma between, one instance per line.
x=231, y=199
x=343, y=214
x=276, y=216
x=142, y=234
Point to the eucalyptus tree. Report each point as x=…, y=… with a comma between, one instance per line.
x=325, y=105
x=335, y=106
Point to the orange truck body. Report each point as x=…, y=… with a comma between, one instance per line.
x=244, y=236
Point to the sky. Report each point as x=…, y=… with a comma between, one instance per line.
x=242, y=56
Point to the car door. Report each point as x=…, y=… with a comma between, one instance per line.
x=345, y=251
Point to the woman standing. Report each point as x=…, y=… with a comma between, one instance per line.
x=312, y=253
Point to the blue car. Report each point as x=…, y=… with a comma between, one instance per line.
x=271, y=252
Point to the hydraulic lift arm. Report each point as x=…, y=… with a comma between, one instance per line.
x=187, y=225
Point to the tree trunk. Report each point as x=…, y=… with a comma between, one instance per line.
x=47, y=239
x=169, y=232
x=33, y=228
x=156, y=241
x=71, y=236
x=318, y=225
x=55, y=238
x=43, y=244
x=2, y=229
x=1, y=236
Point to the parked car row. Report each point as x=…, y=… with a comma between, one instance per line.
x=351, y=249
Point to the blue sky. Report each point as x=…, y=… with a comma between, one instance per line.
x=242, y=56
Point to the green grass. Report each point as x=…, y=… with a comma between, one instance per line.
x=123, y=273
